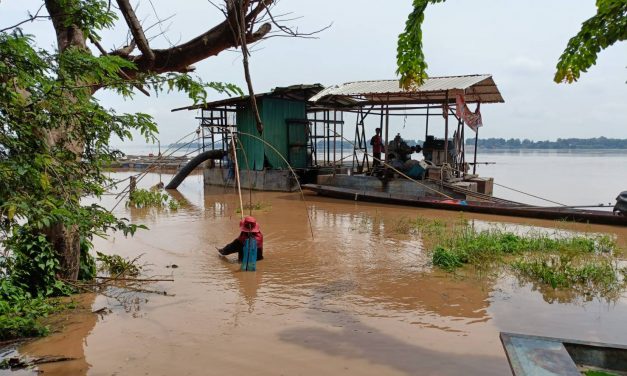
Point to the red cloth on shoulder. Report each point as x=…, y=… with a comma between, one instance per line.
x=258, y=236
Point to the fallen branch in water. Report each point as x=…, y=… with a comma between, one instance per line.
x=135, y=279
x=20, y=363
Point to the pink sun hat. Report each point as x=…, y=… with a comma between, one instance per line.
x=249, y=224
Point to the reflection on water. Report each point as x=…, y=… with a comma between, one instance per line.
x=358, y=297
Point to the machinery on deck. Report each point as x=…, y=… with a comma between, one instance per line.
x=621, y=204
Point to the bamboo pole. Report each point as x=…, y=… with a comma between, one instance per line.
x=239, y=188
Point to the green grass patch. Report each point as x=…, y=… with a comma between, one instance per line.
x=144, y=198
x=584, y=263
x=420, y=225
x=598, y=373
x=448, y=260
x=567, y=271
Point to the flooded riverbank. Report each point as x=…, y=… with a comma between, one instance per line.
x=356, y=298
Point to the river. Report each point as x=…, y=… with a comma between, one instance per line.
x=357, y=297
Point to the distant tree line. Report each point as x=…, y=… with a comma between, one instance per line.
x=560, y=143
x=483, y=143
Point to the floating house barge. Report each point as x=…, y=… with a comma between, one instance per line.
x=308, y=127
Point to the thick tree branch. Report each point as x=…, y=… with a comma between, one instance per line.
x=124, y=51
x=136, y=29
x=219, y=38
x=124, y=75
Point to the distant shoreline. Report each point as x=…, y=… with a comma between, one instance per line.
x=484, y=144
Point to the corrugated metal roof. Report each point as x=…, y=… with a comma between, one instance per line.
x=477, y=88
x=299, y=92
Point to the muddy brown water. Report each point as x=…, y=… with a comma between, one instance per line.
x=357, y=298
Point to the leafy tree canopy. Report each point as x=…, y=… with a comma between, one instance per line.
x=606, y=27
x=54, y=134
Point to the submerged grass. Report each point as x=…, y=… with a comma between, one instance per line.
x=420, y=225
x=255, y=206
x=144, y=198
x=564, y=271
x=584, y=263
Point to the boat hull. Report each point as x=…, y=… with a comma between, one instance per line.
x=576, y=215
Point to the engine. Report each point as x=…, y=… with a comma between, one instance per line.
x=621, y=204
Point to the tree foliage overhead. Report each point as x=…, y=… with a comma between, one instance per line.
x=607, y=27
x=597, y=33
x=54, y=135
x=410, y=59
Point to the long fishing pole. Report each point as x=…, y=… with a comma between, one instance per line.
x=239, y=187
x=250, y=181
x=291, y=170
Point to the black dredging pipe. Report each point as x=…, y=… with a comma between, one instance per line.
x=191, y=165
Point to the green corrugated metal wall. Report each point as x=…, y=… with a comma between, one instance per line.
x=274, y=113
x=252, y=147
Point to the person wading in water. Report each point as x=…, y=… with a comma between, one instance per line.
x=249, y=228
x=377, y=147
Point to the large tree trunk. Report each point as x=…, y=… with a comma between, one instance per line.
x=65, y=239
x=66, y=243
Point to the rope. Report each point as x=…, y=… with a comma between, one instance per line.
x=302, y=194
x=515, y=190
x=142, y=174
x=529, y=194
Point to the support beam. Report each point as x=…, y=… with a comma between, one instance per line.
x=387, y=132
x=474, y=165
x=427, y=124
x=446, y=129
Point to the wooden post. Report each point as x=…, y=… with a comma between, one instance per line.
x=446, y=129
x=474, y=166
x=458, y=157
x=334, y=139
x=387, y=129
x=315, y=140
x=463, y=146
x=132, y=185
x=427, y=127
x=327, y=117
x=342, y=137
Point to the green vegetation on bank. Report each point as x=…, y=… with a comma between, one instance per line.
x=29, y=284
x=587, y=264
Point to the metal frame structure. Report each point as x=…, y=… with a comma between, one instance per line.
x=368, y=98
x=326, y=110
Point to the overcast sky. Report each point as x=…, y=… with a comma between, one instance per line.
x=518, y=42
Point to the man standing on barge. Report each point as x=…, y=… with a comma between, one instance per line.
x=377, y=147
